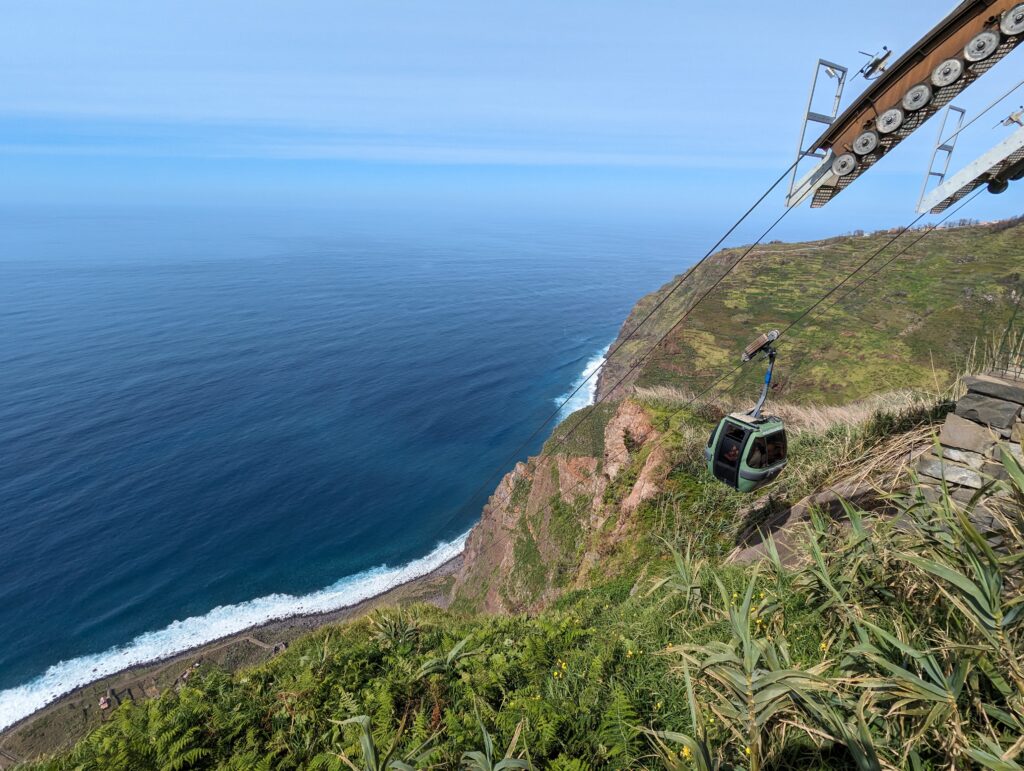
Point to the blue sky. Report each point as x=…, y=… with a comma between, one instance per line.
x=647, y=106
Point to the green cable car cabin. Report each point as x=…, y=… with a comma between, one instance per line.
x=747, y=453
x=748, y=450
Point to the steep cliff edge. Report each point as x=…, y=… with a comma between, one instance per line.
x=553, y=518
x=618, y=542
x=564, y=518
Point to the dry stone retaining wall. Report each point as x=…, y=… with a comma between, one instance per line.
x=986, y=422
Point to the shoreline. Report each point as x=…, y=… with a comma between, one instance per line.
x=140, y=682
x=32, y=736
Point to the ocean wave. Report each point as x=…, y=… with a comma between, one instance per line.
x=21, y=701
x=584, y=397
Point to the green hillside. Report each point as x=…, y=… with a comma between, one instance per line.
x=907, y=326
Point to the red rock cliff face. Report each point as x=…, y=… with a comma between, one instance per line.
x=551, y=518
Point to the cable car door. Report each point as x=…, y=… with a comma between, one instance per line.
x=730, y=452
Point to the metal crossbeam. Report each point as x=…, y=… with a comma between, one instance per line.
x=798, y=188
x=1000, y=158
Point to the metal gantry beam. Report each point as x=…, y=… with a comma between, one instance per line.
x=998, y=167
x=964, y=46
x=835, y=72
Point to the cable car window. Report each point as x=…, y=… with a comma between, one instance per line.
x=736, y=433
x=775, y=448
x=731, y=445
x=758, y=455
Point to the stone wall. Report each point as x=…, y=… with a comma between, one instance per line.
x=986, y=421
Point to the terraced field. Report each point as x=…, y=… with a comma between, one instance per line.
x=910, y=324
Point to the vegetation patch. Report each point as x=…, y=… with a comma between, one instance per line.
x=582, y=433
x=521, y=492
x=898, y=644
x=906, y=327
x=529, y=575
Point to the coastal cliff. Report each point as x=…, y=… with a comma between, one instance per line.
x=553, y=517
x=565, y=517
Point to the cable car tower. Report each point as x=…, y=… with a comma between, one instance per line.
x=748, y=450
x=902, y=96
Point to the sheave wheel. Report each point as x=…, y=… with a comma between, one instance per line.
x=982, y=46
x=890, y=120
x=947, y=72
x=997, y=186
x=865, y=143
x=917, y=97
x=1013, y=21
x=844, y=164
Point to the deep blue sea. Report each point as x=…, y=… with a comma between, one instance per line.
x=212, y=418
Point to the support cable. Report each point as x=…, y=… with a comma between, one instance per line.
x=888, y=262
x=972, y=120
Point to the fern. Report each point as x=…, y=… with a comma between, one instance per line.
x=618, y=730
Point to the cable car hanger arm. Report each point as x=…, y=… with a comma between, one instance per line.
x=763, y=344
x=756, y=412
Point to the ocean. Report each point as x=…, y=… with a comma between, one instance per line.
x=209, y=419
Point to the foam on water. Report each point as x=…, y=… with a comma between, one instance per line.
x=584, y=397
x=19, y=702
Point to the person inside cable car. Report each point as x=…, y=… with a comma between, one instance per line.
x=757, y=455
x=732, y=445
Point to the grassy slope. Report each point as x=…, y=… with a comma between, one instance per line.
x=912, y=323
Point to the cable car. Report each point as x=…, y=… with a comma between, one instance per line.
x=747, y=450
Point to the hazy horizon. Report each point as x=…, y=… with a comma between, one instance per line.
x=569, y=109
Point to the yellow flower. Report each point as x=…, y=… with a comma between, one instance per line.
x=657, y=706
x=748, y=750
x=629, y=654
x=823, y=646
x=762, y=595
x=685, y=752
x=563, y=665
